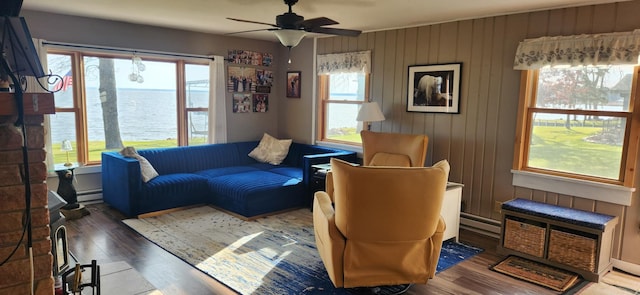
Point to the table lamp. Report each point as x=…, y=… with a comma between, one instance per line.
x=66, y=147
x=370, y=112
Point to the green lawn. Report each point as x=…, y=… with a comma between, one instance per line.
x=97, y=147
x=558, y=148
x=552, y=147
x=344, y=134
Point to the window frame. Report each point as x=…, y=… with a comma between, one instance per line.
x=79, y=96
x=526, y=109
x=323, y=101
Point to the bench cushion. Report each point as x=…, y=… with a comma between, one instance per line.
x=568, y=215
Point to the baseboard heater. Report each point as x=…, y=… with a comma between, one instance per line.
x=90, y=196
x=481, y=225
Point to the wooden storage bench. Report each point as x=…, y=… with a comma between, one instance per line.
x=571, y=239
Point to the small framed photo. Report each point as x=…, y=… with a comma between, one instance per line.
x=260, y=103
x=293, y=84
x=434, y=88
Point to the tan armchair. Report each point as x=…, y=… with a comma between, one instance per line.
x=389, y=149
x=385, y=228
x=393, y=149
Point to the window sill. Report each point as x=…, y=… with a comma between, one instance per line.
x=89, y=169
x=591, y=190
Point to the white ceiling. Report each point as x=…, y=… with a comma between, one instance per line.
x=209, y=16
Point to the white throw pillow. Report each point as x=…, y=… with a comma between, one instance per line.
x=146, y=169
x=271, y=150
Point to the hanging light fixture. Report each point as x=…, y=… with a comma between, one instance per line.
x=136, y=67
x=290, y=38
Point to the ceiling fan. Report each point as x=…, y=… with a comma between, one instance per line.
x=290, y=27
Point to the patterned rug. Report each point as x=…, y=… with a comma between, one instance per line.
x=271, y=255
x=538, y=273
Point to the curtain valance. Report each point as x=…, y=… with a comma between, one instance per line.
x=598, y=49
x=349, y=62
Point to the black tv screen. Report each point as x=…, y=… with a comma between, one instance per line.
x=18, y=49
x=10, y=7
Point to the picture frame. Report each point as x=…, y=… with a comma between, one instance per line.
x=260, y=103
x=241, y=79
x=434, y=88
x=293, y=84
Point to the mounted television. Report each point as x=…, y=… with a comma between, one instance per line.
x=17, y=47
x=10, y=7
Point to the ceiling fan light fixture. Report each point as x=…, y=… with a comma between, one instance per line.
x=290, y=38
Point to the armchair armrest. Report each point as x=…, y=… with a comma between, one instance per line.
x=436, y=241
x=329, y=240
x=328, y=185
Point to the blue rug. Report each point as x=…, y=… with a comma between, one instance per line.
x=271, y=255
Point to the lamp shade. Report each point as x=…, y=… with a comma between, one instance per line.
x=289, y=38
x=66, y=146
x=370, y=112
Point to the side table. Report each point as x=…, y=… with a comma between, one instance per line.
x=451, y=210
x=318, y=180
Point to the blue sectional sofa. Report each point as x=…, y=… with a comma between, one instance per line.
x=219, y=174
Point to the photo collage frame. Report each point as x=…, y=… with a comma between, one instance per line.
x=248, y=81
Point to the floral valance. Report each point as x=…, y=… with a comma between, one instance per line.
x=350, y=62
x=598, y=49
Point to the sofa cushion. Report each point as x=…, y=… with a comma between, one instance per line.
x=288, y=171
x=211, y=173
x=236, y=185
x=175, y=183
x=271, y=150
x=257, y=192
x=171, y=191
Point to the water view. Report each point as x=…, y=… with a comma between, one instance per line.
x=143, y=114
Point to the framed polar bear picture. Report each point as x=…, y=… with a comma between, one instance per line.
x=434, y=88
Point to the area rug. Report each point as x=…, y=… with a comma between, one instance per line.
x=538, y=273
x=271, y=255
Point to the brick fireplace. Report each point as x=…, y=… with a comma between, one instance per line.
x=15, y=274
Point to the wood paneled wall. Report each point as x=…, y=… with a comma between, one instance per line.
x=479, y=141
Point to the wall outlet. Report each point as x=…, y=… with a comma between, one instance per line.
x=497, y=207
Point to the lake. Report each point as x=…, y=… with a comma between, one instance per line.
x=143, y=114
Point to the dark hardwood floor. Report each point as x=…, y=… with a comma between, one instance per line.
x=103, y=237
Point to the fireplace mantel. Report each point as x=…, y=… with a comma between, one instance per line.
x=34, y=103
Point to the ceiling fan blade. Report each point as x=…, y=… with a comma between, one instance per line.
x=317, y=22
x=249, y=31
x=250, y=21
x=334, y=31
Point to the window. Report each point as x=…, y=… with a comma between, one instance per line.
x=197, y=88
x=343, y=85
x=577, y=122
x=106, y=102
x=340, y=97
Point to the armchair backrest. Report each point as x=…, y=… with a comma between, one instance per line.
x=388, y=203
x=393, y=149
